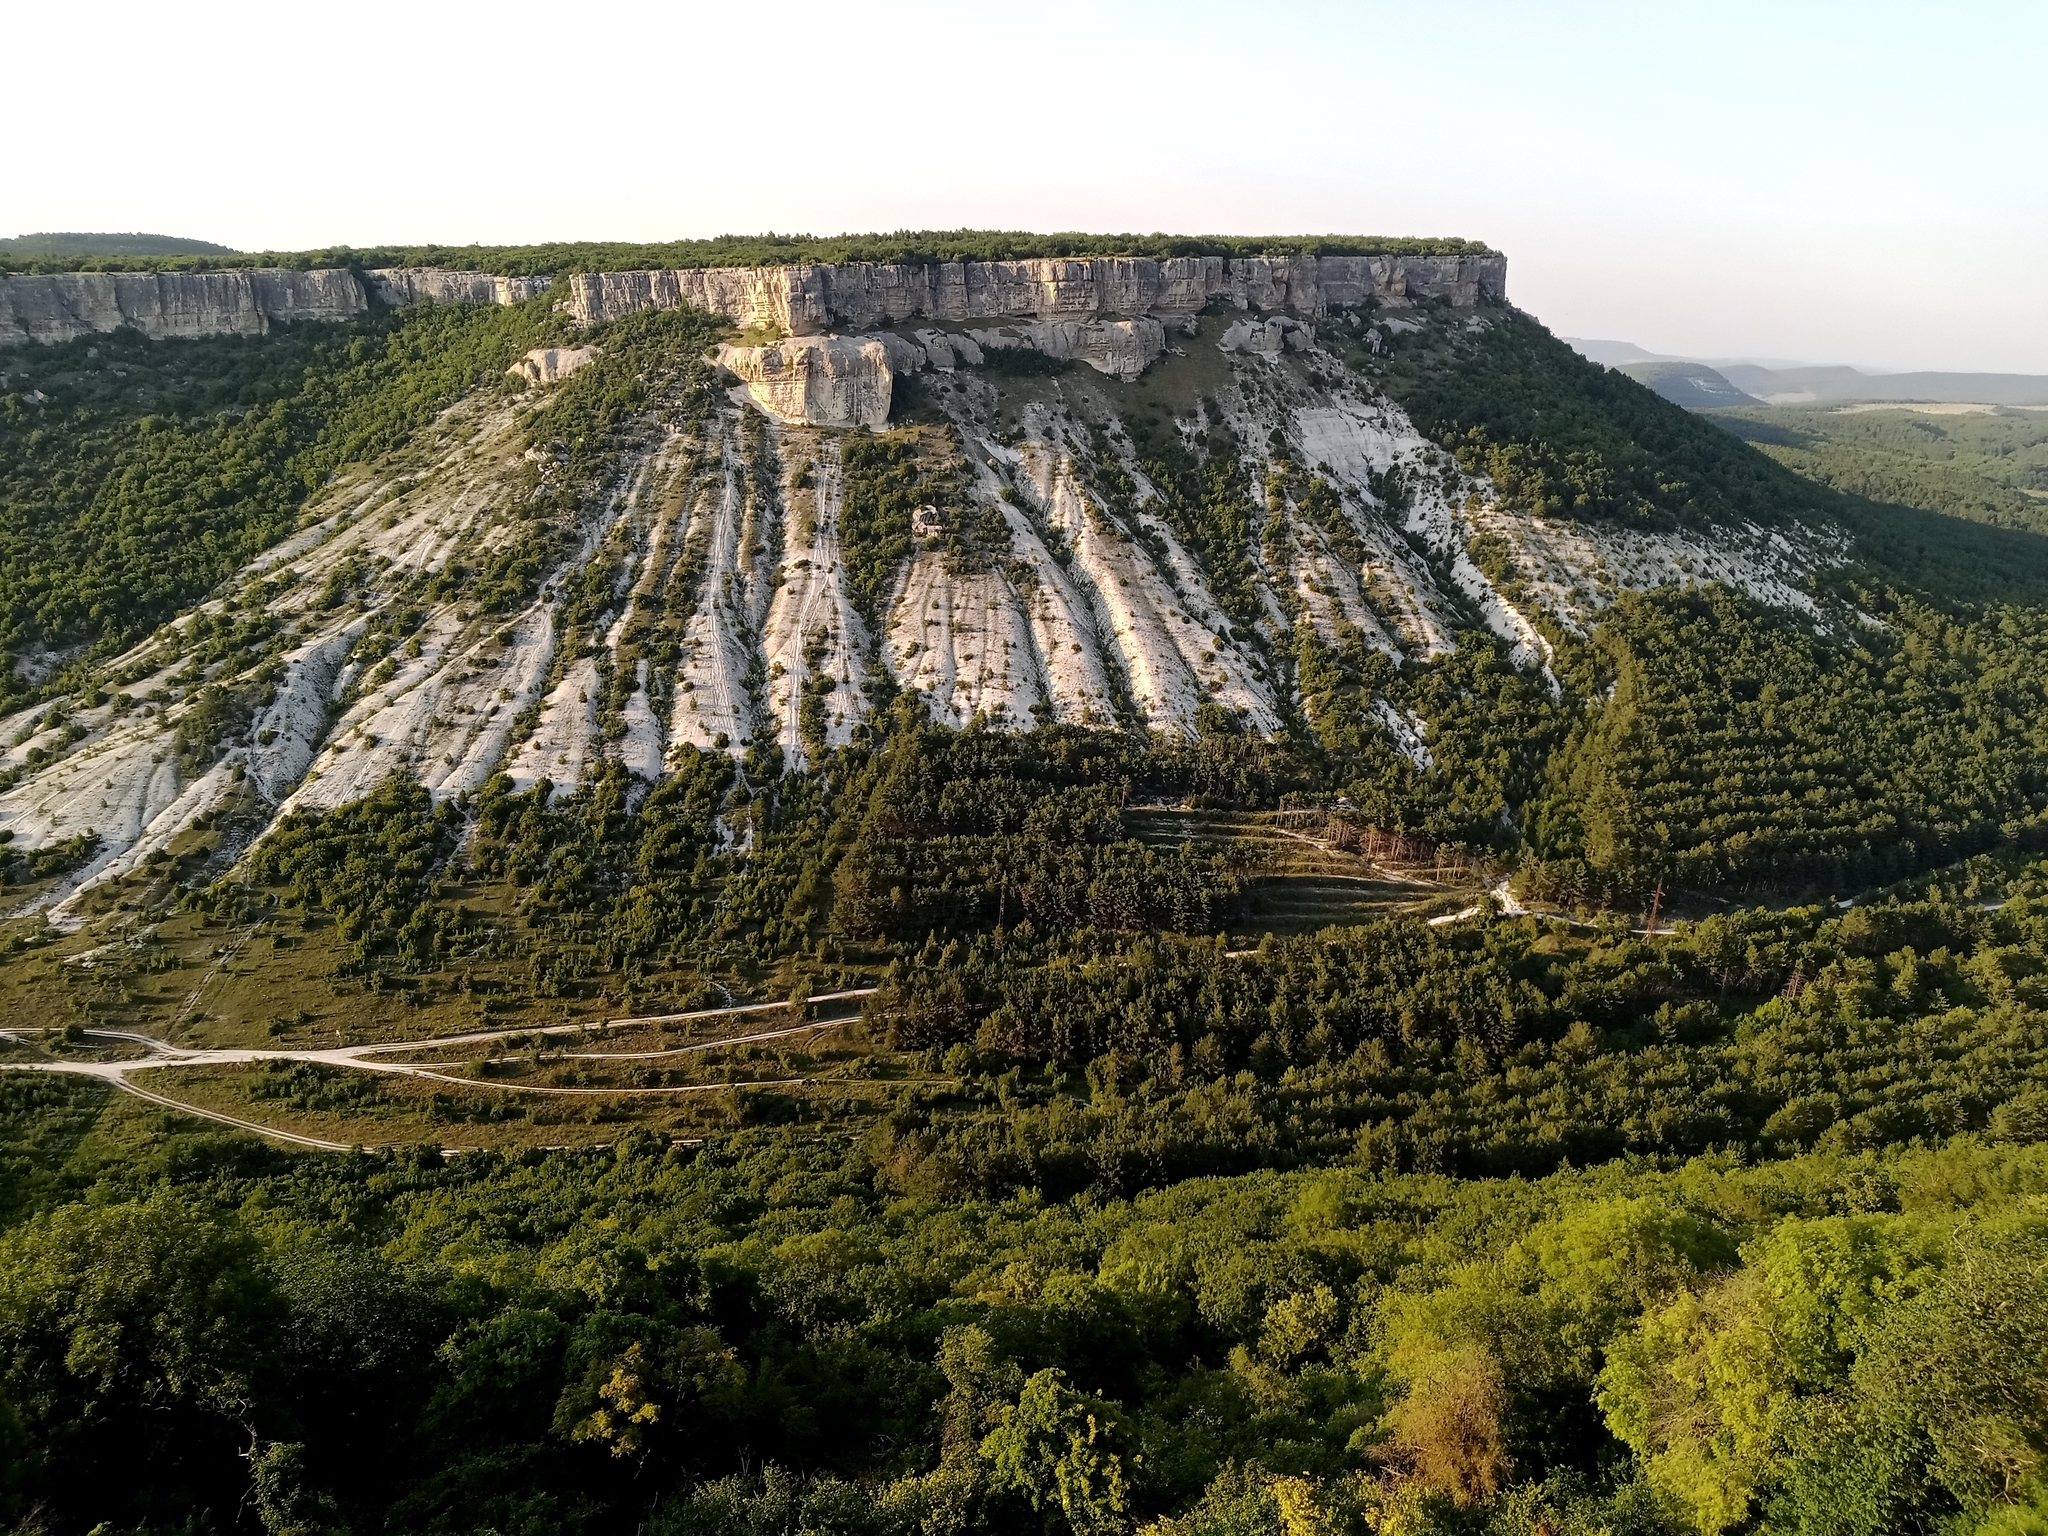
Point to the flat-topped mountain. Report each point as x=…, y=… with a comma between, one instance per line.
x=525, y=530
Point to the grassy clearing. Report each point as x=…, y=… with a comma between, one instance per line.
x=529, y=1090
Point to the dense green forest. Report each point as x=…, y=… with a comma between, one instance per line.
x=135, y=475
x=1484, y=1229
x=1987, y=466
x=1741, y=751
x=1733, y=747
x=906, y=246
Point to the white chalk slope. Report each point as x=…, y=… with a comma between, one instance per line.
x=1093, y=614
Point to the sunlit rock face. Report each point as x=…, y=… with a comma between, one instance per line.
x=823, y=381
x=161, y=305
x=550, y=365
x=811, y=300
x=251, y=301
x=434, y=285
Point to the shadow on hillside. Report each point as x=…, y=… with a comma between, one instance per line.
x=1947, y=557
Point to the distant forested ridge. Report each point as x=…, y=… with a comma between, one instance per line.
x=88, y=247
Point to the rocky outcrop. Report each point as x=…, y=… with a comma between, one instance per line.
x=846, y=381
x=946, y=352
x=1123, y=348
x=824, y=381
x=1270, y=337
x=60, y=306
x=545, y=365
x=433, y=285
x=809, y=300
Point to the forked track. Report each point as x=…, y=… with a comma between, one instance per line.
x=367, y=1058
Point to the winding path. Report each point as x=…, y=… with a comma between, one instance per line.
x=371, y=1058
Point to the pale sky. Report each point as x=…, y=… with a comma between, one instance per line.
x=1863, y=183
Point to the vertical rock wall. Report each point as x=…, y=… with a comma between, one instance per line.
x=248, y=302
x=805, y=300
x=63, y=305
x=800, y=300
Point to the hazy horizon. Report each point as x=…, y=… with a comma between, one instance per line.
x=1839, y=183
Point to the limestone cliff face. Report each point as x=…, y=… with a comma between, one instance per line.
x=433, y=285
x=161, y=305
x=167, y=304
x=1082, y=297
x=808, y=300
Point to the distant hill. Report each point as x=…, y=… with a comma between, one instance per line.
x=1692, y=385
x=1697, y=383
x=1825, y=386
x=1613, y=354
x=68, y=244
